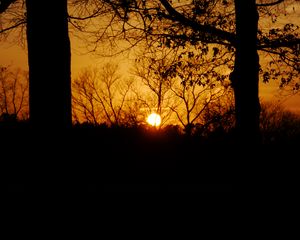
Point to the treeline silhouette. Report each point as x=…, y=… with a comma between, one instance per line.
x=278, y=126
x=110, y=155
x=53, y=149
x=128, y=154
x=121, y=158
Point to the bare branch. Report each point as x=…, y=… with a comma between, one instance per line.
x=269, y=4
x=207, y=29
x=95, y=14
x=279, y=43
x=12, y=27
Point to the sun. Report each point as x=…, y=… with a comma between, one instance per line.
x=154, y=119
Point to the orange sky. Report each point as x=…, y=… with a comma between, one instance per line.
x=14, y=55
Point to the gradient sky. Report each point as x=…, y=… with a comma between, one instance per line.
x=16, y=56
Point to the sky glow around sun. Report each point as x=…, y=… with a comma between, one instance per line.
x=154, y=119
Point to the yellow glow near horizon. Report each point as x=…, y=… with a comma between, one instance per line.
x=154, y=119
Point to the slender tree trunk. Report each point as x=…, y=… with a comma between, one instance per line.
x=245, y=77
x=49, y=61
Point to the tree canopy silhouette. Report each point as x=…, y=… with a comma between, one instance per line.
x=228, y=23
x=233, y=24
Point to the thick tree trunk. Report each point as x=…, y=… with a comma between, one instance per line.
x=49, y=64
x=245, y=77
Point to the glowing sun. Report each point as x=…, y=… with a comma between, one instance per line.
x=154, y=119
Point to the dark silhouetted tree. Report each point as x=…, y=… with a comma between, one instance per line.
x=233, y=24
x=153, y=67
x=49, y=63
x=184, y=80
x=102, y=96
x=279, y=125
x=213, y=22
x=245, y=77
x=13, y=94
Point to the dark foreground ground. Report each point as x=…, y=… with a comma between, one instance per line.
x=127, y=160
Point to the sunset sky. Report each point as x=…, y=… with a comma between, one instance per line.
x=16, y=56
